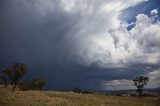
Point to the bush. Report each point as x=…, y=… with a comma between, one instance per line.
x=77, y=90
x=25, y=85
x=38, y=83
x=34, y=84
x=87, y=92
x=4, y=80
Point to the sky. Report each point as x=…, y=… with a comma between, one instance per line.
x=93, y=44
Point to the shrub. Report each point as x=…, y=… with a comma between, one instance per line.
x=77, y=90
x=25, y=85
x=87, y=92
x=38, y=83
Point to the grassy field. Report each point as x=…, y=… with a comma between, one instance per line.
x=53, y=98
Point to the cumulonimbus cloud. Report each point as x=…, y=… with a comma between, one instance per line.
x=55, y=33
x=102, y=38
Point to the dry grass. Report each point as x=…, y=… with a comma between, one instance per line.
x=51, y=98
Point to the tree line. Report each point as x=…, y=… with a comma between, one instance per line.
x=13, y=76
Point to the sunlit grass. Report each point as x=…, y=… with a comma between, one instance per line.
x=53, y=98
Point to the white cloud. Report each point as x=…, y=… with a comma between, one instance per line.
x=102, y=39
x=154, y=82
x=146, y=35
x=114, y=47
x=99, y=27
x=141, y=45
x=117, y=84
x=154, y=12
x=154, y=79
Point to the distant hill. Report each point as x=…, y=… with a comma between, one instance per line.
x=153, y=90
x=148, y=90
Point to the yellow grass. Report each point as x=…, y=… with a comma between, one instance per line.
x=53, y=98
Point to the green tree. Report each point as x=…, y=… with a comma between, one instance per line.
x=4, y=80
x=19, y=71
x=38, y=83
x=140, y=82
x=8, y=73
x=35, y=84
x=25, y=85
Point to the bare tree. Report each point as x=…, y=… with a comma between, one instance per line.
x=140, y=82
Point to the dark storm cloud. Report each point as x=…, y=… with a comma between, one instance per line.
x=66, y=43
x=29, y=36
x=37, y=38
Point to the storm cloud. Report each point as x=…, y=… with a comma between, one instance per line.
x=83, y=43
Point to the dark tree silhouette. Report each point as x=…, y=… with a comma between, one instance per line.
x=4, y=80
x=140, y=82
x=8, y=73
x=14, y=74
x=38, y=83
x=19, y=71
x=25, y=85
x=35, y=84
x=77, y=90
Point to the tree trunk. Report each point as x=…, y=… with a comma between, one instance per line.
x=140, y=92
x=5, y=84
x=14, y=86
